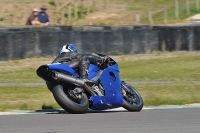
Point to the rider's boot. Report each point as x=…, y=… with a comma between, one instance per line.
x=83, y=69
x=84, y=75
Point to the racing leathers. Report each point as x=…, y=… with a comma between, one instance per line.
x=80, y=61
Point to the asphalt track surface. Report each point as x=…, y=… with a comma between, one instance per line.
x=146, y=121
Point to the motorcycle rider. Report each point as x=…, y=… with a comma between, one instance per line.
x=69, y=55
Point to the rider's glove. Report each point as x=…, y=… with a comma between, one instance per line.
x=104, y=59
x=102, y=63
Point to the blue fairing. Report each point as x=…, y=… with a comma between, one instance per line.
x=63, y=67
x=109, y=79
x=113, y=96
x=93, y=71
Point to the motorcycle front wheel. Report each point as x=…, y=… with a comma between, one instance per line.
x=75, y=104
x=132, y=101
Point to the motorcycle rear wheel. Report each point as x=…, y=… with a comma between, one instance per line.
x=132, y=101
x=67, y=102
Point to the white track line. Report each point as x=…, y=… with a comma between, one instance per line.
x=110, y=110
x=55, y=112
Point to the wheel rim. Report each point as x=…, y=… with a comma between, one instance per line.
x=78, y=99
x=130, y=96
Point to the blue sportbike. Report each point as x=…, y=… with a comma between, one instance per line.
x=103, y=90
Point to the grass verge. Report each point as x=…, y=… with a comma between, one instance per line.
x=159, y=66
x=26, y=98
x=181, y=66
x=185, y=67
x=34, y=98
x=169, y=94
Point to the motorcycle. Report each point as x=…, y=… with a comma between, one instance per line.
x=103, y=90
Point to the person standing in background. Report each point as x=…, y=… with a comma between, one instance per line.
x=43, y=16
x=33, y=18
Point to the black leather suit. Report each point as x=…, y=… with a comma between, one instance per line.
x=80, y=61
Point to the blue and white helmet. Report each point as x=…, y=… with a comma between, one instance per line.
x=68, y=48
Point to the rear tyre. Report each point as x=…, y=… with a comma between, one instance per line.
x=67, y=101
x=132, y=101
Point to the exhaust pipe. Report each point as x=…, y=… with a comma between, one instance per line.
x=66, y=78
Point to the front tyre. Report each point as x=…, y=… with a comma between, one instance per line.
x=132, y=101
x=67, y=101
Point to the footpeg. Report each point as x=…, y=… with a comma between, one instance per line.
x=78, y=90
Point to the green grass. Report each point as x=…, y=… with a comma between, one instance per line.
x=181, y=66
x=182, y=11
x=21, y=70
x=176, y=68
x=169, y=66
x=26, y=75
x=26, y=98
x=169, y=94
x=157, y=7
x=35, y=98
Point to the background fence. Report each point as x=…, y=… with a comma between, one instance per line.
x=101, y=12
x=23, y=42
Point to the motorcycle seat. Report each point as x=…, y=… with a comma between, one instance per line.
x=73, y=65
